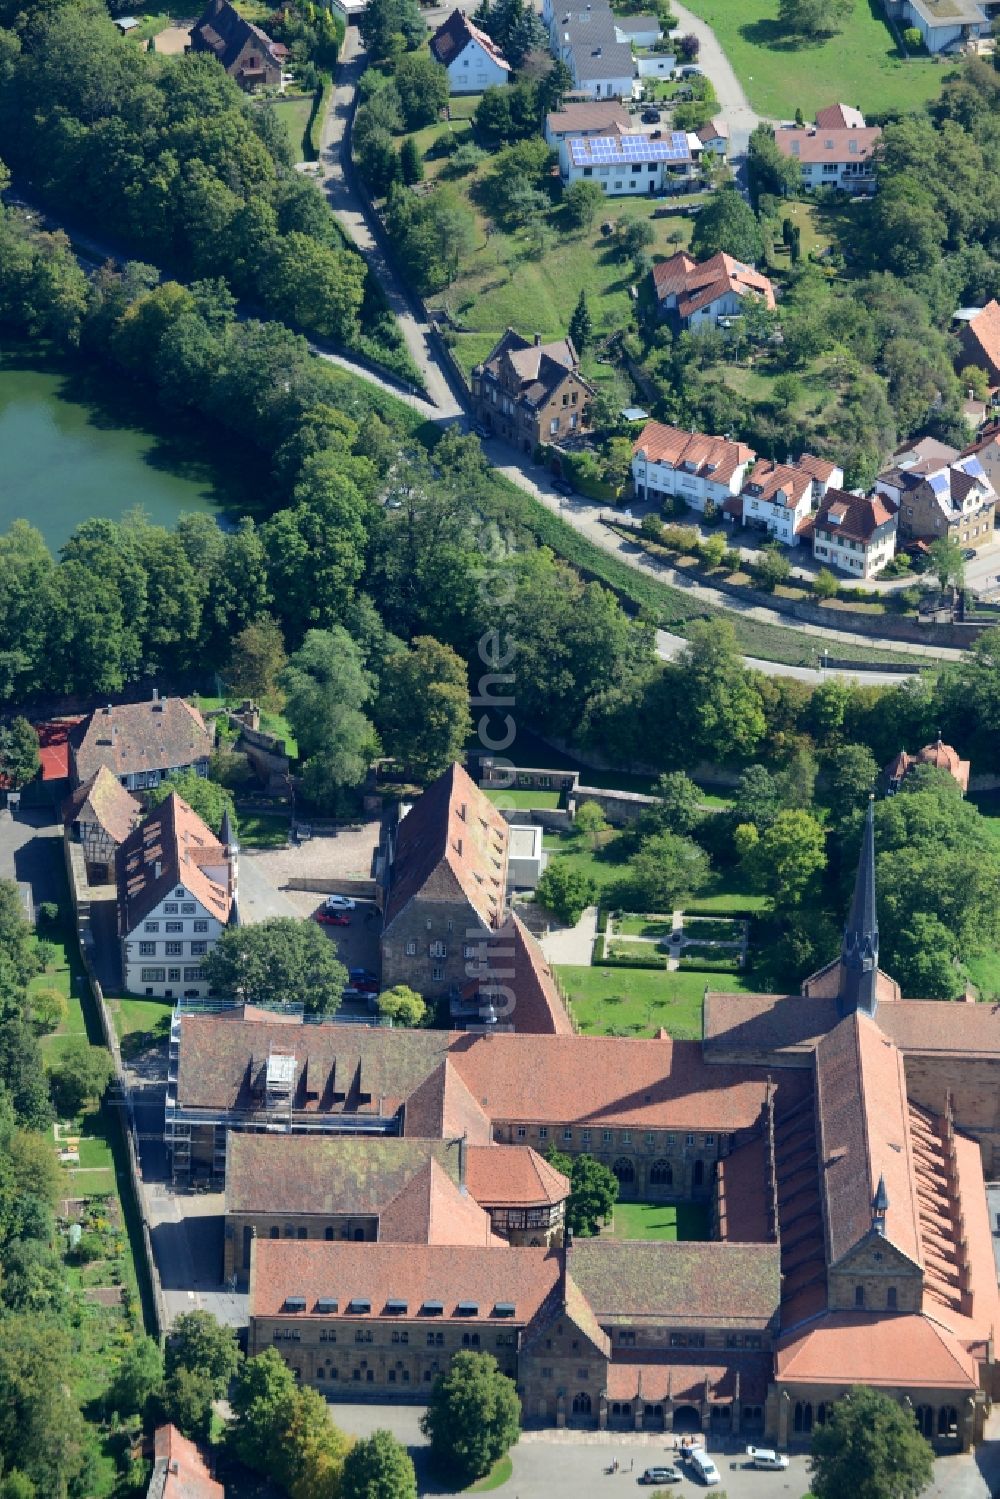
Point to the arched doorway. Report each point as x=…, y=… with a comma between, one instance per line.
x=624, y=1170
x=687, y=1418
x=652, y=1417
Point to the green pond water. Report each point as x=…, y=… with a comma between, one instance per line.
x=74, y=445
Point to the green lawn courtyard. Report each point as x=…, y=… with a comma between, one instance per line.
x=638, y=1001
x=519, y=798
x=858, y=65
x=659, y=1220
x=294, y=114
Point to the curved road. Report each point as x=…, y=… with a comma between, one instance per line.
x=734, y=106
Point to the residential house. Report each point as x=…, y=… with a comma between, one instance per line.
x=531, y=392
x=180, y=1469
x=140, y=743
x=714, y=136
x=839, y=117
x=100, y=815
x=593, y=117
x=939, y=755
x=587, y=42
x=776, y=498
x=701, y=292
x=245, y=51
x=941, y=499
x=628, y=164
x=987, y=449
x=638, y=31
x=667, y=461
x=840, y=1138
x=443, y=886
x=842, y=157
x=824, y=474
x=944, y=25
x=979, y=336
x=856, y=533
x=177, y=891
x=472, y=59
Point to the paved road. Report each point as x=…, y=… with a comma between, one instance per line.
x=669, y=647
x=734, y=106
x=349, y=208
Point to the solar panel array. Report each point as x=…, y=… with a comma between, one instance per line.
x=627, y=150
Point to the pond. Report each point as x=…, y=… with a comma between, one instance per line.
x=74, y=444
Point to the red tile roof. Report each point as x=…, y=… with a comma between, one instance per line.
x=103, y=801
x=590, y=118
x=411, y=1273
x=324, y=1174
x=171, y=847
x=433, y=1209
x=902, y=1350
x=929, y=1026
x=767, y=481
x=505, y=1176
x=801, y=143
x=864, y=1131
x=442, y=1107
x=521, y=983
x=715, y=458
x=451, y=843
x=854, y=516
x=634, y=1282
x=741, y=1185
x=696, y=284
x=985, y=329
x=681, y=1377
x=161, y=734
x=839, y=117
x=179, y=1469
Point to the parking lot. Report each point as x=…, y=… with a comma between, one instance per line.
x=357, y=943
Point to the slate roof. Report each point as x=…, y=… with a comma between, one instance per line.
x=864, y=1130
x=179, y=1469
x=629, y=1282
x=847, y=1348
x=224, y=32
x=532, y=371
x=592, y=40
x=324, y=1174
x=505, y=1176
x=411, y=1273
x=697, y=284
x=171, y=847
x=451, y=39
x=803, y=143
x=451, y=844
x=103, y=800
x=160, y=734
x=715, y=458
x=859, y=515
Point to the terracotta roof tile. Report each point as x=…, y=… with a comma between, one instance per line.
x=846, y=1348
x=442, y=1106
x=324, y=1174
x=681, y=1377
x=929, y=1026
x=703, y=1284
x=985, y=329
x=839, y=117
x=172, y=846
x=432, y=1209
x=801, y=143
x=413, y=1273
x=513, y=1176
x=588, y=118
x=451, y=842
x=696, y=284
x=179, y=1469
x=766, y=480
x=858, y=515
x=165, y=734
x=715, y=458
x=741, y=1183
x=520, y=983
x=451, y=39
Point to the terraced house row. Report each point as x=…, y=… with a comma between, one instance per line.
x=387, y=1197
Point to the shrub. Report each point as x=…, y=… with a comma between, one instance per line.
x=48, y=915
x=652, y=527
x=90, y=1247
x=825, y=585
x=914, y=41
x=733, y=561
x=707, y=965
x=908, y=598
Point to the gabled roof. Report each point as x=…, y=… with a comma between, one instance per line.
x=432, y=1209
x=533, y=371
x=179, y=1469
x=839, y=117
x=442, y=1107
x=171, y=847
x=588, y=118
x=802, y=143
x=505, y=1176
x=414, y=1274
x=985, y=329
x=103, y=800
x=304, y=1174
x=451, y=844
x=712, y=1284
x=855, y=516
x=160, y=734
x=769, y=481
x=451, y=39
x=715, y=458
x=713, y=130
x=864, y=1136
x=519, y=983
x=817, y=468
x=698, y=284
x=224, y=32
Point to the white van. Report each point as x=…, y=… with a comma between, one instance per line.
x=703, y=1467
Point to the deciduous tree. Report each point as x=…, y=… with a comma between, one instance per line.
x=278, y=962
x=423, y=707
x=379, y=1467
x=565, y=891
x=473, y=1417
x=402, y=1005
x=869, y=1448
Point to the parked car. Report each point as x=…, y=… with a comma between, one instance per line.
x=339, y=903
x=703, y=1467
x=661, y=1475
x=562, y=486
x=363, y=981
x=651, y=117
x=692, y=70
x=333, y=918
x=766, y=1457
x=970, y=555
x=482, y=432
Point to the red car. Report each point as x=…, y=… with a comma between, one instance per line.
x=333, y=918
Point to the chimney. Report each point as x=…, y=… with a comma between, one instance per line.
x=538, y=340
x=107, y=710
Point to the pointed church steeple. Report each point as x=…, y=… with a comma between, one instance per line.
x=859, y=949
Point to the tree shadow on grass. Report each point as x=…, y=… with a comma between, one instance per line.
x=769, y=33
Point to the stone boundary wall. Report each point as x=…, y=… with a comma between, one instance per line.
x=79, y=894
x=363, y=889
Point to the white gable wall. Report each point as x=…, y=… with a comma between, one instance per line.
x=474, y=70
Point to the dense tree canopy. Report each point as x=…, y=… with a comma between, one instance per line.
x=473, y=1416
x=281, y=961
x=869, y=1448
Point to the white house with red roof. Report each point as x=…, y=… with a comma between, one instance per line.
x=856, y=533
x=700, y=292
x=777, y=498
x=687, y=465
x=472, y=60
x=838, y=151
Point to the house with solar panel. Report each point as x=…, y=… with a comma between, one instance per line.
x=627, y=164
x=937, y=498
